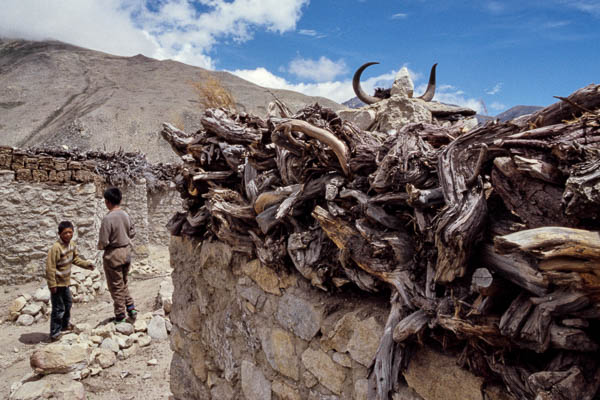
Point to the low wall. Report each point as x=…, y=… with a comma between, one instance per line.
x=242, y=331
x=37, y=192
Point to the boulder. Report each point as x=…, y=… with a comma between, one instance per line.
x=157, y=329
x=25, y=320
x=42, y=294
x=125, y=329
x=165, y=294
x=363, y=118
x=32, y=309
x=59, y=358
x=397, y=111
x=51, y=387
x=110, y=344
x=104, y=357
x=16, y=306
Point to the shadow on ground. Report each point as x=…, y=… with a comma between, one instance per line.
x=33, y=338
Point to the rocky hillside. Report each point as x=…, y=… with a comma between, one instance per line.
x=56, y=94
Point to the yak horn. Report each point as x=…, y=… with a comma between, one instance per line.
x=365, y=98
x=428, y=95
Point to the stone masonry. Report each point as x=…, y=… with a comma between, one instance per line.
x=37, y=192
x=243, y=331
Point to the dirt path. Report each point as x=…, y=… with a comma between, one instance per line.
x=128, y=379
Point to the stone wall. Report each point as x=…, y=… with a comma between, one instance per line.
x=29, y=217
x=37, y=192
x=41, y=168
x=161, y=206
x=242, y=331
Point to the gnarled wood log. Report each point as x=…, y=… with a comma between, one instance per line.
x=552, y=241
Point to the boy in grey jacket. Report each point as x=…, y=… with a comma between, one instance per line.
x=116, y=231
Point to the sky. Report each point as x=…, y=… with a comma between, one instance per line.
x=491, y=55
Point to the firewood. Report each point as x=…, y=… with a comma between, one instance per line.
x=552, y=241
x=484, y=239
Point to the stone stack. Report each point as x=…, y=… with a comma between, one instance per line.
x=86, y=285
x=28, y=309
x=87, y=352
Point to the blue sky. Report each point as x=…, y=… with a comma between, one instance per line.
x=491, y=55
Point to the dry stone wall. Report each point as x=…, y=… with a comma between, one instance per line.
x=37, y=192
x=243, y=331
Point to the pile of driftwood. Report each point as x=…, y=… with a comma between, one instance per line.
x=117, y=168
x=486, y=241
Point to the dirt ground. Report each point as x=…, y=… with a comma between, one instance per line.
x=128, y=379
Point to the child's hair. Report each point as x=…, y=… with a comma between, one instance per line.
x=64, y=225
x=113, y=195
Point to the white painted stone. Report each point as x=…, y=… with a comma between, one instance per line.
x=403, y=85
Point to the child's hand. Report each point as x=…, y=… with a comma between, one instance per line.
x=53, y=290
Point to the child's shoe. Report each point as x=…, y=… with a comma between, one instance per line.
x=68, y=328
x=54, y=338
x=119, y=319
x=132, y=314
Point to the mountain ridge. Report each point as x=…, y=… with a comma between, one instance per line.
x=57, y=94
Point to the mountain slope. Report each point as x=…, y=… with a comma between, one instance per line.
x=52, y=93
x=517, y=111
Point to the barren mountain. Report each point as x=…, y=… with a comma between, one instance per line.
x=54, y=94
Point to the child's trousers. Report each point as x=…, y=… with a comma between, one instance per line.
x=61, y=310
x=116, y=279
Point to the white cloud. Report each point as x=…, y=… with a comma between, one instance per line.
x=495, y=7
x=321, y=70
x=399, y=16
x=307, y=32
x=338, y=91
x=175, y=30
x=452, y=95
x=495, y=90
x=556, y=24
x=496, y=106
x=341, y=91
x=103, y=26
x=587, y=6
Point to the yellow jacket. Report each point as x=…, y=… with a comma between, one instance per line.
x=58, y=265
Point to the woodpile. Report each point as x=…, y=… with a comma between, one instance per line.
x=485, y=241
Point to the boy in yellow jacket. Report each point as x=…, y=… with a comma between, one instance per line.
x=61, y=256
